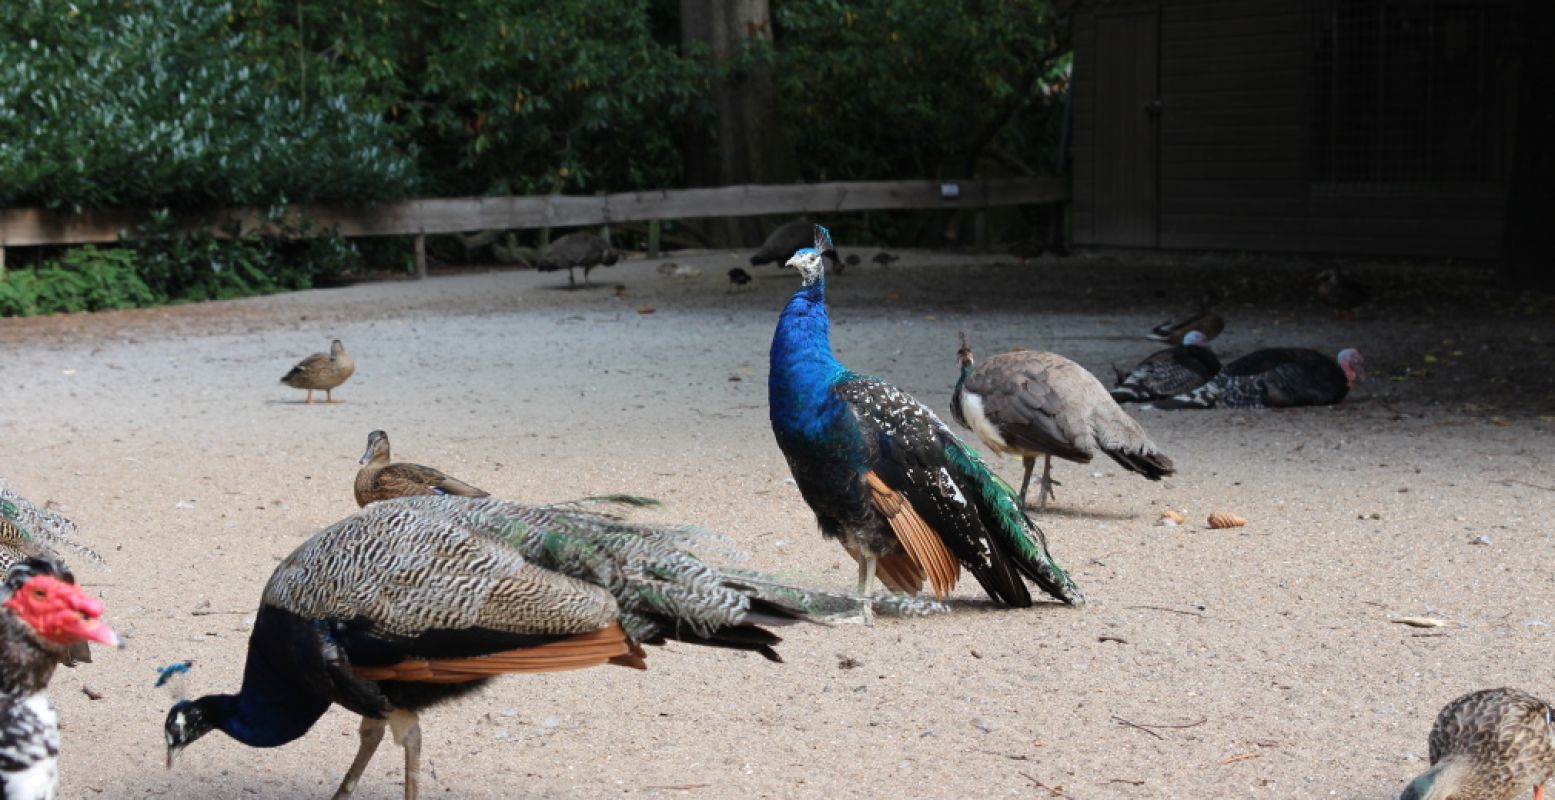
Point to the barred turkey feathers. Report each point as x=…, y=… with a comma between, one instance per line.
x=1276, y=378
x=1168, y=372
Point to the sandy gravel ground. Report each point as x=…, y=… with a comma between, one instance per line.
x=1253, y=662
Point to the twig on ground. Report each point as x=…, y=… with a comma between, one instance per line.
x=1526, y=483
x=1146, y=727
x=1012, y=757
x=1173, y=611
x=1057, y=791
x=1240, y=757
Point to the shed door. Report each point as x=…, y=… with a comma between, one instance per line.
x=1128, y=111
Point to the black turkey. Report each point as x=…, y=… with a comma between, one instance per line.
x=1275, y=378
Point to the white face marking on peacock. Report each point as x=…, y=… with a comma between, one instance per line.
x=809, y=263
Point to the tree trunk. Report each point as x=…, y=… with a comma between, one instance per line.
x=748, y=146
x=1529, y=244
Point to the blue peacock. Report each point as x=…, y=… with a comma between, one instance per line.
x=907, y=498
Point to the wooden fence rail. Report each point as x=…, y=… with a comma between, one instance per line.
x=21, y=227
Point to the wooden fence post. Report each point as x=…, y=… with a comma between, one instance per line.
x=654, y=232
x=421, y=256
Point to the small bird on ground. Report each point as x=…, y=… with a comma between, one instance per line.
x=885, y=259
x=1030, y=403
x=1345, y=294
x=44, y=615
x=739, y=277
x=908, y=500
x=580, y=249
x=380, y=480
x=1494, y=744
x=324, y=371
x=1168, y=372
x=1207, y=323
x=1277, y=378
x=415, y=601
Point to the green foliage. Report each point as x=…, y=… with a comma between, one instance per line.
x=84, y=279
x=907, y=88
x=202, y=265
x=124, y=103
x=503, y=96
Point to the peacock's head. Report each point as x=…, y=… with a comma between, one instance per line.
x=336, y=349
x=965, y=353
x=811, y=261
x=187, y=721
x=377, y=448
x=1353, y=364
x=1194, y=338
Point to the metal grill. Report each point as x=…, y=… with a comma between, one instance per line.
x=1409, y=92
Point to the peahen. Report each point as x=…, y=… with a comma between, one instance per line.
x=417, y=600
x=1167, y=372
x=575, y=250
x=1494, y=744
x=1031, y=403
x=784, y=241
x=1276, y=378
x=906, y=497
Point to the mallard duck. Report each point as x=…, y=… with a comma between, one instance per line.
x=1207, y=323
x=1494, y=744
x=322, y=371
x=380, y=480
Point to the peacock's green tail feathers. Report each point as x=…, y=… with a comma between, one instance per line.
x=1017, y=530
x=656, y=582
x=822, y=604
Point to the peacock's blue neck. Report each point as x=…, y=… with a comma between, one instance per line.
x=956, y=409
x=277, y=703
x=803, y=369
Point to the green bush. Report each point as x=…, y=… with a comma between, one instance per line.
x=84, y=279
x=202, y=265
x=126, y=103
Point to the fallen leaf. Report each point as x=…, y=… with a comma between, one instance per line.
x=646, y=309
x=1419, y=622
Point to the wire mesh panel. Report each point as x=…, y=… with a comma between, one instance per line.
x=1410, y=92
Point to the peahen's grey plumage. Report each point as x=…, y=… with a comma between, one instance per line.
x=416, y=600
x=1030, y=403
x=575, y=250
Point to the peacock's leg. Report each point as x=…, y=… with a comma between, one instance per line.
x=329, y=395
x=866, y=576
x=572, y=280
x=371, y=733
x=310, y=397
x=1045, y=489
x=586, y=276
x=1028, y=462
x=407, y=732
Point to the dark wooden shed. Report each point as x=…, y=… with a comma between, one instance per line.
x=1344, y=126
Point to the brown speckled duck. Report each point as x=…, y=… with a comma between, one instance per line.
x=1494, y=744
x=322, y=371
x=380, y=480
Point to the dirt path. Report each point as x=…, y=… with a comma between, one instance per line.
x=1253, y=662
